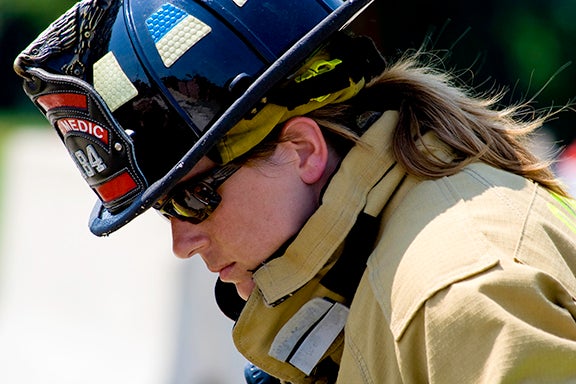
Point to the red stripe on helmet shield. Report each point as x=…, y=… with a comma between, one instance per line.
x=60, y=100
x=116, y=188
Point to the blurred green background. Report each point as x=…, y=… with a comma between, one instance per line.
x=520, y=45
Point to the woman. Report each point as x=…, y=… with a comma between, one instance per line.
x=369, y=222
x=464, y=227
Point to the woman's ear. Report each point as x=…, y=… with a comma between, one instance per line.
x=304, y=136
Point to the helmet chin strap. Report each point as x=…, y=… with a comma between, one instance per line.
x=228, y=300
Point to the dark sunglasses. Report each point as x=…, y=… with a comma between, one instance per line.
x=195, y=199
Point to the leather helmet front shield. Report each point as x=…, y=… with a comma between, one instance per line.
x=102, y=151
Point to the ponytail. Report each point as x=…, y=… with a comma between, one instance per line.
x=471, y=126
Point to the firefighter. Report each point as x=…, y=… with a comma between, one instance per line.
x=369, y=221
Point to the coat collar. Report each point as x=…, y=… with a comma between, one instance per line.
x=350, y=191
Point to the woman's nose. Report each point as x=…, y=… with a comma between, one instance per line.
x=187, y=239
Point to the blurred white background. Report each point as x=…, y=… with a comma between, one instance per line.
x=78, y=309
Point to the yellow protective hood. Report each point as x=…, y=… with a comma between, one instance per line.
x=249, y=132
x=336, y=73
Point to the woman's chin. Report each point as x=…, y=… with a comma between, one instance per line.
x=245, y=288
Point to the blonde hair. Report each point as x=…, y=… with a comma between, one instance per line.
x=473, y=127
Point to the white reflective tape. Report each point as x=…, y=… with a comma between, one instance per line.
x=181, y=38
x=306, y=337
x=111, y=82
x=320, y=339
x=298, y=325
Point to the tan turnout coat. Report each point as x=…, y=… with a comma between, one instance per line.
x=472, y=278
